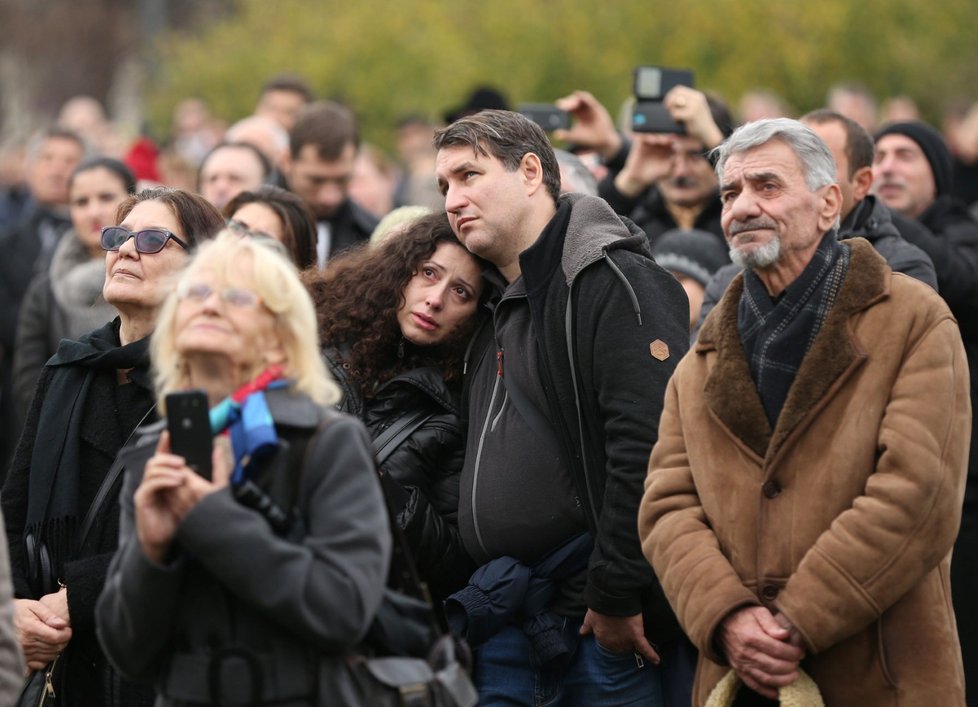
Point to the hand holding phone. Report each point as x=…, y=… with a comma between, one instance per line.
x=188, y=421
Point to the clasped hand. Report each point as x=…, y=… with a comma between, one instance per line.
x=763, y=648
x=169, y=491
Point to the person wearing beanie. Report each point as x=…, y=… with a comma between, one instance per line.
x=912, y=174
x=913, y=166
x=692, y=257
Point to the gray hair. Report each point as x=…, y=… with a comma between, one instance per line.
x=817, y=163
x=576, y=173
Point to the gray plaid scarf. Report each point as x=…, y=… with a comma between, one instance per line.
x=777, y=333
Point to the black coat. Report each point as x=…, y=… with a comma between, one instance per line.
x=426, y=466
x=105, y=422
x=22, y=259
x=611, y=326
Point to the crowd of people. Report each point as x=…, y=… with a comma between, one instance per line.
x=665, y=418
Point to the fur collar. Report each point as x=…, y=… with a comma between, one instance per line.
x=835, y=354
x=76, y=284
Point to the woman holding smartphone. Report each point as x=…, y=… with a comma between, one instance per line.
x=60, y=513
x=253, y=585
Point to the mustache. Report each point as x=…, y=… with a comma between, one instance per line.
x=684, y=182
x=753, y=225
x=891, y=183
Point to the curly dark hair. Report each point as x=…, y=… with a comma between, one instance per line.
x=357, y=297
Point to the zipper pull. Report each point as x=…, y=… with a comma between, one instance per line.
x=499, y=363
x=48, y=683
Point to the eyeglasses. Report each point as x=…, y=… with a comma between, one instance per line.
x=148, y=241
x=200, y=292
x=241, y=229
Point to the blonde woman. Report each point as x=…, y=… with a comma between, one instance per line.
x=251, y=586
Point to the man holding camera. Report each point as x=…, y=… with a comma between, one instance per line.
x=661, y=180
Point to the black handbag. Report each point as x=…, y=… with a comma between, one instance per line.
x=38, y=690
x=409, y=659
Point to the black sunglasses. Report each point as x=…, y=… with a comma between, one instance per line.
x=148, y=241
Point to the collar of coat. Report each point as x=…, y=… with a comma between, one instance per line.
x=730, y=391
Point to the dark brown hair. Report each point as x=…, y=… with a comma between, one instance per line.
x=859, y=143
x=298, y=221
x=327, y=125
x=199, y=220
x=507, y=136
x=357, y=297
x=290, y=83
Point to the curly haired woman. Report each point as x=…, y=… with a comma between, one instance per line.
x=395, y=320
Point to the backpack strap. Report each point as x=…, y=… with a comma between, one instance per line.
x=395, y=435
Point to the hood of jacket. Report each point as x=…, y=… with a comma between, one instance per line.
x=594, y=228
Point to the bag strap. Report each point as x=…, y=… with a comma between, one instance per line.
x=107, y=483
x=403, y=566
x=395, y=435
x=402, y=560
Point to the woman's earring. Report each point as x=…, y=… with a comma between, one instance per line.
x=400, y=348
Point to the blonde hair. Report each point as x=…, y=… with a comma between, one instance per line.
x=273, y=277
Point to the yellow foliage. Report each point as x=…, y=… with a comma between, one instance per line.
x=423, y=56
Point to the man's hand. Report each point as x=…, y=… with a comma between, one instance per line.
x=689, y=107
x=620, y=634
x=593, y=126
x=42, y=634
x=757, y=646
x=651, y=158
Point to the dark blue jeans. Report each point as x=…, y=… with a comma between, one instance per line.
x=506, y=673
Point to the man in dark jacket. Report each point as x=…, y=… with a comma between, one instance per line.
x=323, y=147
x=27, y=250
x=660, y=181
x=563, y=408
x=912, y=173
x=863, y=215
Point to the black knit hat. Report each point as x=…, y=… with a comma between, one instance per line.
x=933, y=147
x=696, y=254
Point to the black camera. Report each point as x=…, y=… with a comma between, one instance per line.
x=546, y=115
x=652, y=83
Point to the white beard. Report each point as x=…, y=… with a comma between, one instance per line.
x=757, y=258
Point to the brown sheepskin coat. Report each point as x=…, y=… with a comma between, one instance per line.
x=843, y=516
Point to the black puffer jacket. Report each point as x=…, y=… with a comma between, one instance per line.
x=427, y=466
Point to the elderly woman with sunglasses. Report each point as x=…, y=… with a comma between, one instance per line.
x=248, y=586
x=59, y=500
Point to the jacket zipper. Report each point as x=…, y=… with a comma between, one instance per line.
x=568, y=321
x=482, y=439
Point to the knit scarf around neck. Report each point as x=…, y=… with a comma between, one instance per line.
x=776, y=334
x=54, y=484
